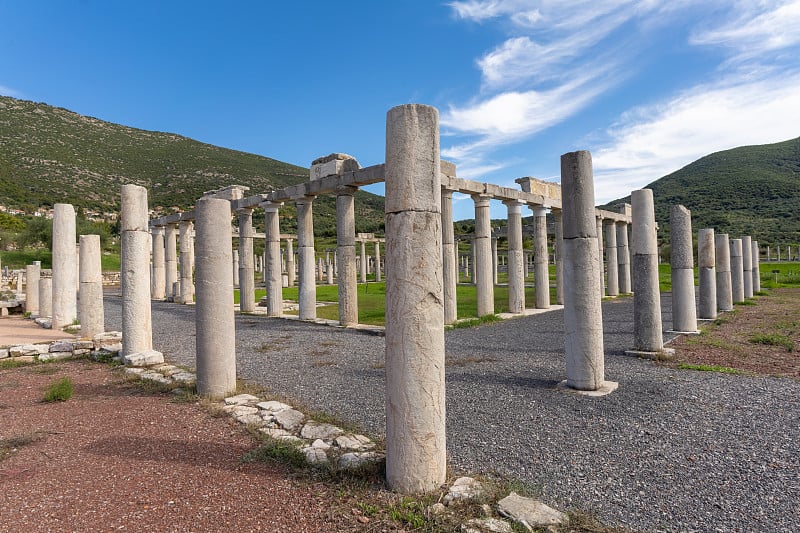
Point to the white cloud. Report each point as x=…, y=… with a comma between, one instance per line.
x=8, y=91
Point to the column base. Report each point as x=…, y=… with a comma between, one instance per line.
x=664, y=353
x=606, y=388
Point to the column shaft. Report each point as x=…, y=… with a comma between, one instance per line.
x=707, y=274
x=449, y=266
x=186, y=229
x=612, y=262
x=272, y=278
x=623, y=259
x=516, y=280
x=307, y=290
x=170, y=260
x=158, y=282
x=647, y=327
x=346, y=256
x=684, y=314
x=737, y=271
x=747, y=266
x=91, y=280
x=722, y=254
x=541, y=271
x=247, y=267
x=65, y=269
x=482, y=247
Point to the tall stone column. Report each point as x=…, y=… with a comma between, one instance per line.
x=612, y=262
x=415, y=386
x=307, y=290
x=623, y=259
x=247, y=267
x=722, y=254
x=137, y=328
x=494, y=260
x=516, y=280
x=290, y=265
x=559, y=255
x=756, y=258
x=346, y=256
x=65, y=269
x=449, y=264
x=707, y=273
x=214, y=317
x=377, y=261
x=747, y=266
x=583, y=315
x=272, y=277
x=235, y=269
x=684, y=315
x=186, y=229
x=32, y=275
x=769, y=257
x=472, y=262
x=541, y=272
x=525, y=264
x=46, y=297
x=737, y=271
x=158, y=282
x=647, y=327
x=320, y=269
x=600, y=247
x=91, y=280
x=482, y=246
x=363, y=263
x=171, y=260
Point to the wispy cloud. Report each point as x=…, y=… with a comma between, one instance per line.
x=8, y=91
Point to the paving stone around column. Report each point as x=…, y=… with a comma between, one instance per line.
x=158, y=283
x=32, y=276
x=707, y=274
x=449, y=263
x=747, y=266
x=756, y=258
x=247, y=267
x=541, y=263
x=171, y=260
x=737, y=271
x=623, y=259
x=346, y=256
x=722, y=254
x=307, y=290
x=482, y=247
x=64, y=267
x=91, y=280
x=186, y=229
x=684, y=314
x=612, y=285
x=516, y=280
x=214, y=316
x=416, y=452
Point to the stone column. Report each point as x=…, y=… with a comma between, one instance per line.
x=307, y=290
x=449, y=263
x=722, y=253
x=346, y=256
x=707, y=271
x=247, y=267
x=612, y=261
x=186, y=229
x=329, y=272
x=170, y=260
x=647, y=328
x=541, y=272
x=600, y=247
x=472, y=262
x=415, y=386
x=494, y=260
x=756, y=258
x=684, y=314
x=482, y=246
x=272, y=277
x=516, y=280
x=158, y=283
x=46, y=297
x=769, y=257
x=747, y=266
x=737, y=270
x=583, y=316
x=235, y=269
x=377, y=261
x=559, y=255
x=525, y=264
x=623, y=258
x=91, y=280
x=214, y=317
x=137, y=329
x=363, y=263
x=320, y=269
x=290, y=265
x=32, y=275
x=65, y=270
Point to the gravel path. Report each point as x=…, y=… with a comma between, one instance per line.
x=671, y=450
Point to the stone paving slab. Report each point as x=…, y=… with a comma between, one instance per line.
x=18, y=330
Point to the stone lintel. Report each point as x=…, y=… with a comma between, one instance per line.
x=288, y=236
x=231, y=192
x=547, y=189
x=447, y=168
x=332, y=165
x=174, y=218
x=251, y=202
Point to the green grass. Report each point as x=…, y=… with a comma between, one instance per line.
x=709, y=368
x=18, y=259
x=773, y=339
x=788, y=275
x=474, y=322
x=60, y=391
x=276, y=451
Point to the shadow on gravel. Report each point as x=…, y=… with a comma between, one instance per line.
x=220, y=456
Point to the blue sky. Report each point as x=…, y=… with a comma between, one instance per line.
x=647, y=86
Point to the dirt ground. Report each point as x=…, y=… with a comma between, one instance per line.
x=763, y=338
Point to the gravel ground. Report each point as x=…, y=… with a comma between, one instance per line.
x=670, y=450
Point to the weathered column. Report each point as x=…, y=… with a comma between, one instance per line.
x=647, y=327
x=684, y=314
x=346, y=256
x=235, y=269
x=612, y=262
x=747, y=266
x=541, y=272
x=46, y=297
x=290, y=265
x=65, y=270
x=32, y=275
x=559, y=255
x=583, y=316
x=137, y=329
x=91, y=280
x=707, y=273
x=756, y=258
x=525, y=264
x=600, y=247
x=449, y=264
x=722, y=254
x=272, y=277
x=186, y=229
x=482, y=246
x=363, y=261
x=377, y=261
x=329, y=272
x=516, y=280
x=307, y=290
x=320, y=269
x=171, y=259
x=158, y=282
x=415, y=386
x=472, y=261
x=214, y=317
x=247, y=267
x=769, y=257
x=737, y=271
x=494, y=260
x=624, y=258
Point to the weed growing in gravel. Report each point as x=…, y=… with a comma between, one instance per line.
x=12, y=444
x=7, y=364
x=47, y=369
x=475, y=322
x=60, y=391
x=709, y=368
x=409, y=512
x=748, y=301
x=276, y=451
x=773, y=339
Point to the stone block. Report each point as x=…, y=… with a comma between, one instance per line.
x=273, y=406
x=290, y=420
x=527, y=511
x=463, y=489
x=241, y=399
x=55, y=356
x=319, y=430
x=62, y=346
x=315, y=456
x=145, y=358
x=151, y=375
x=357, y=459
x=333, y=164
x=3, y=353
x=486, y=525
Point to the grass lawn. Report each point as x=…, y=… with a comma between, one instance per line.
x=18, y=259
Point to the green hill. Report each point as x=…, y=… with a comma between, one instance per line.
x=50, y=155
x=750, y=190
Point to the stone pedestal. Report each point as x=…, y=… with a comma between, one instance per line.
x=516, y=280
x=647, y=327
x=747, y=266
x=737, y=271
x=307, y=290
x=541, y=272
x=214, y=316
x=684, y=315
x=272, y=277
x=482, y=247
x=247, y=267
x=158, y=279
x=724, y=279
x=65, y=269
x=415, y=386
x=91, y=280
x=707, y=273
x=449, y=264
x=346, y=256
x=32, y=275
